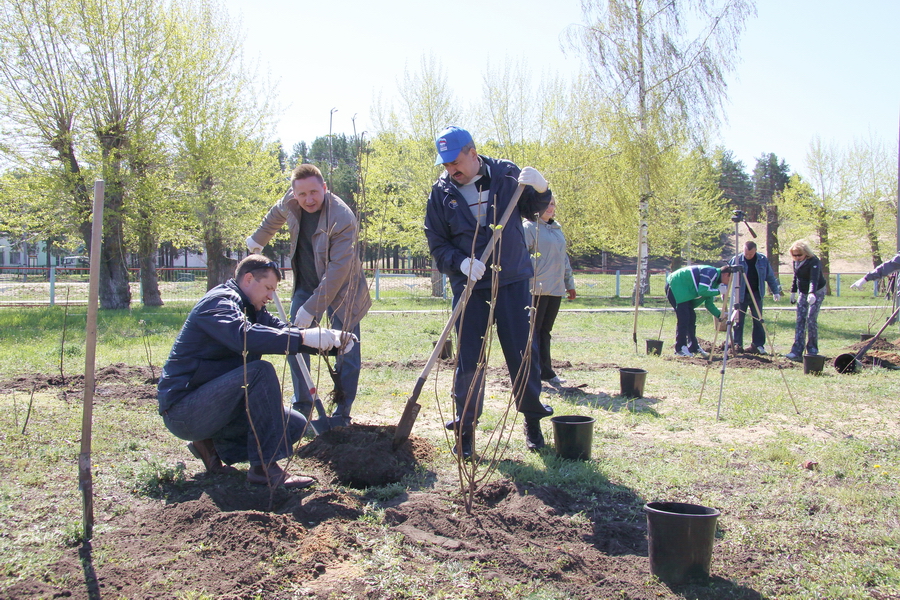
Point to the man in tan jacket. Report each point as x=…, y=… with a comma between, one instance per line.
x=328, y=275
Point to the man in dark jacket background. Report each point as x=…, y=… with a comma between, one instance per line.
x=465, y=202
x=202, y=394
x=759, y=273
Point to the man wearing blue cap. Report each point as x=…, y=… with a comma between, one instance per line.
x=467, y=199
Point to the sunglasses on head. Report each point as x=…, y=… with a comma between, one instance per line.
x=270, y=265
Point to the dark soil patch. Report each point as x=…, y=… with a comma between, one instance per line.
x=208, y=537
x=114, y=382
x=361, y=456
x=882, y=353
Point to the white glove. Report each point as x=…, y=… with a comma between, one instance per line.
x=253, y=246
x=350, y=340
x=776, y=297
x=723, y=289
x=811, y=297
x=472, y=267
x=321, y=339
x=793, y=297
x=303, y=319
x=531, y=176
x=857, y=285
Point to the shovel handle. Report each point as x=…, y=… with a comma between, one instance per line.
x=871, y=342
x=301, y=364
x=411, y=410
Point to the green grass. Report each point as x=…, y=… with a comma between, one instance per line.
x=829, y=532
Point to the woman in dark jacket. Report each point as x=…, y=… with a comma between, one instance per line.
x=809, y=283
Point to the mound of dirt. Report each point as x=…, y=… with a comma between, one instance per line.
x=362, y=456
x=882, y=353
x=118, y=382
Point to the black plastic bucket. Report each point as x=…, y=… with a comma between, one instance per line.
x=866, y=336
x=847, y=363
x=631, y=382
x=572, y=436
x=654, y=347
x=446, y=349
x=680, y=541
x=813, y=364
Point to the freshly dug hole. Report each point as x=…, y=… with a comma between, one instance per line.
x=361, y=456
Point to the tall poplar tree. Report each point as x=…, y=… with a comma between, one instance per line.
x=659, y=78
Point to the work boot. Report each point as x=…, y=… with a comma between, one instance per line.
x=466, y=440
x=534, y=437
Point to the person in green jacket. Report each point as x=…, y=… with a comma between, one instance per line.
x=686, y=289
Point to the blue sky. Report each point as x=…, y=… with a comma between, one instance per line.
x=808, y=67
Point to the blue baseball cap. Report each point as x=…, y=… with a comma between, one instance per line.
x=449, y=142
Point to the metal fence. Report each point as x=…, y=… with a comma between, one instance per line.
x=22, y=286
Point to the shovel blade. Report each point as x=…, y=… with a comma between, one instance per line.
x=404, y=427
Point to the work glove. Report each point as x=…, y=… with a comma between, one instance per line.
x=811, y=297
x=531, y=176
x=303, y=319
x=857, y=285
x=793, y=297
x=571, y=294
x=776, y=297
x=253, y=246
x=723, y=289
x=349, y=340
x=472, y=267
x=321, y=338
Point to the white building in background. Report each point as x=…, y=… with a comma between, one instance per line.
x=13, y=254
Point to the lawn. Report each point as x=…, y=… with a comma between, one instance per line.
x=804, y=470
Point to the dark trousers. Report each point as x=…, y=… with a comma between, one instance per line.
x=255, y=428
x=759, y=332
x=347, y=366
x=512, y=320
x=685, y=323
x=546, y=309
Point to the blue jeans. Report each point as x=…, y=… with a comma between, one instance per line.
x=257, y=429
x=347, y=366
x=759, y=332
x=512, y=319
x=807, y=324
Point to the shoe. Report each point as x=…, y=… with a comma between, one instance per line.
x=737, y=349
x=534, y=437
x=761, y=350
x=792, y=356
x=702, y=352
x=555, y=380
x=683, y=351
x=278, y=476
x=205, y=451
x=466, y=440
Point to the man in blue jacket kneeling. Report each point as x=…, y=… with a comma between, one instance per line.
x=229, y=405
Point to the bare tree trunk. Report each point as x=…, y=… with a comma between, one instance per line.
x=872, y=235
x=115, y=291
x=773, y=251
x=824, y=255
x=437, y=287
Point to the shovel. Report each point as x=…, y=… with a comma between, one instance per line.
x=850, y=361
x=411, y=410
x=324, y=422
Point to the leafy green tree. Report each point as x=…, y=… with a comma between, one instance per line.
x=871, y=189
x=770, y=176
x=229, y=174
x=659, y=80
x=735, y=184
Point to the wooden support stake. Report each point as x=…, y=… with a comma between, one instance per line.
x=85, y=482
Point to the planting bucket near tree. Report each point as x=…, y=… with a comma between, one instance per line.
x=631, y=382
x=813, y=364
x=572, y=436
x=847, y=363
x=680, y=541
x=654, y=347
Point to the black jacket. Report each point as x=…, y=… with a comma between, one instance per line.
x=212, y=341
x=450, y=226
x=809, y=271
